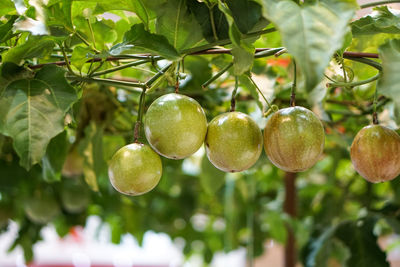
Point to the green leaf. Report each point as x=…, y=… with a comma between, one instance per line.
x=311, y=33
x=6, y=29
x=245, y=13
x=211, y=179
x=325, y=248
x=32, y=112
x=141, y=11
x=203, y=14
x=53, y=160
x=35, y=46
x=246, y=84
x=6, y=7
x=140, y=39
x=388, y=84
x=80, y=56
x=359, y=238
x=382, y=21
x=178, y=25
x=91, y=148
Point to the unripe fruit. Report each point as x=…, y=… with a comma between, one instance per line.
x=375, y=153
x=175, y=126
x=233, y=142
x=41, y=208
x=75, y=196
x=294, y=139
x=135, y=169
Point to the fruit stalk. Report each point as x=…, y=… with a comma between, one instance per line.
x=375, y=114
x=138, y=123
x=294, y=85
x=233, y=99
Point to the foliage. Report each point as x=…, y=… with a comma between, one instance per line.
x=65, y=121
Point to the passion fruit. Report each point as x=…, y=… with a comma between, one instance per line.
x=375, y=153
x=175, y=126
x=42, y=207
x=294, y=139
x=233, y=142
x=75, y=195
x=135, y=169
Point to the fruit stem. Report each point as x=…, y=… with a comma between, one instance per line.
x=366, y=61
x=216, y=76
x=91, y=33
x=177, y=77
x=233, y=99
x=138, y=123
x=378, y=3
x=259, y=90
x=67, y=62
x=375, y=114
x=353, y=84
x=294, y=85
x=156, y=76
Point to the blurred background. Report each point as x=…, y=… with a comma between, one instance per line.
x=198, y=215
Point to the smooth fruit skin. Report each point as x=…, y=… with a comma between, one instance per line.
x=175, y=126
x=294, y=139
x=233, y=142
x=135, y=169
x=375, y=153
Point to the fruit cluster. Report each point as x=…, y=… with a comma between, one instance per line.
x=176, y=126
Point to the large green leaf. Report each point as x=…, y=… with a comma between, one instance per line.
x=245, y=13
x=205, y=16
x=6, y=6
x=6, y=29
x=312, y=32
x=91, y=148
x=35, y=46
x=382, y=21
x=178, y=25
x=32, y=112
x=137, y=38
x=388, y=84
x=53, y=160
x=358, y=236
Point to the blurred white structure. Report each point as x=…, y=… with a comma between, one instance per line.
x=91, y=246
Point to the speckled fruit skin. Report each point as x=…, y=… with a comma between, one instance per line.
x=135, y=169
x=41, y=208
x=175, y=126
x=233, y=142
x=375, y=153
x=294, y=139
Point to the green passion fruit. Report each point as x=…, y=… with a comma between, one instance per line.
x=135, y=169
x=294, y=139
x=233, y=142
x=42, y=207
x=375, y=153
x=75, y=195
x=175, y=126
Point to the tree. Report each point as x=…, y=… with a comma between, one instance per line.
x=77, y=76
